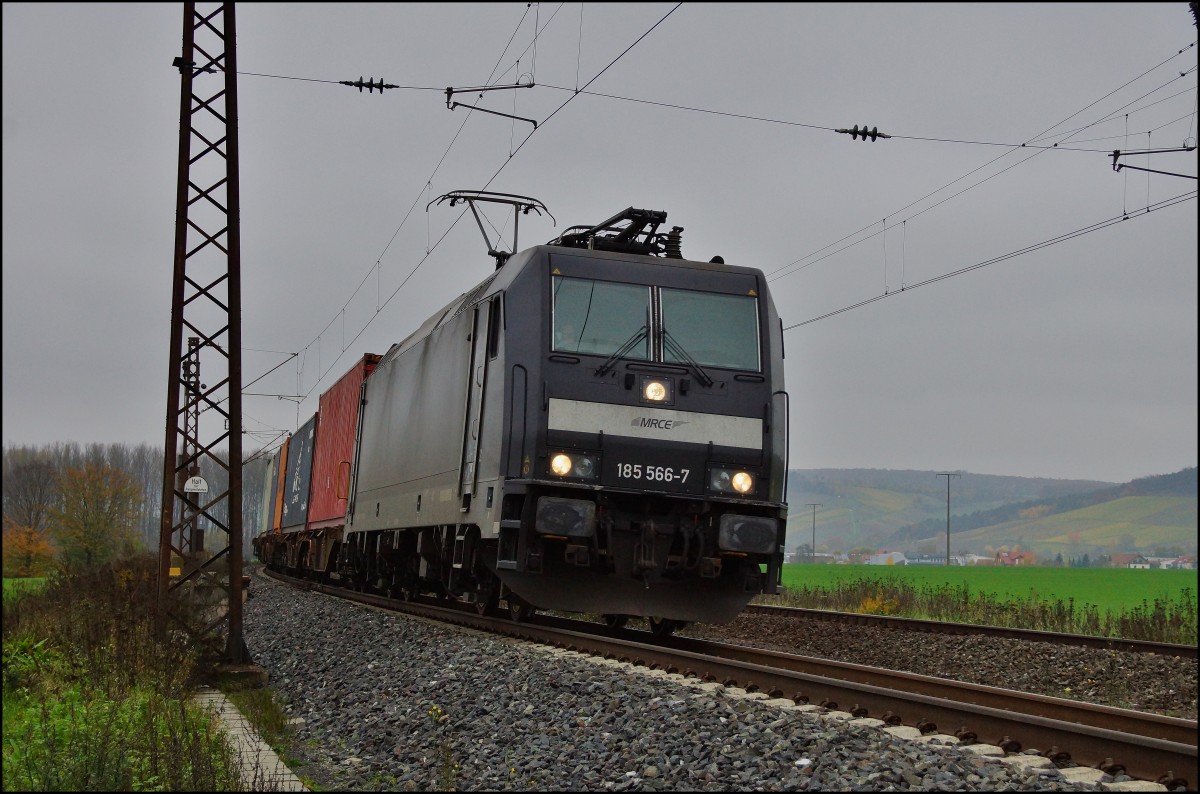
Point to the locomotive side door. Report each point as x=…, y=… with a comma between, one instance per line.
x=476, y=386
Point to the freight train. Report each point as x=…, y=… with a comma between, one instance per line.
x=599, y=426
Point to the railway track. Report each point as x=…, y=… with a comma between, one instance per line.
x=1146, y=746
x=944, y=627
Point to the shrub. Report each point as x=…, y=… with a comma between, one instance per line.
x=92, y=701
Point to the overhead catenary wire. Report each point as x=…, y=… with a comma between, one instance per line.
x=777, y=274
x=1117, y=114
x=805, y=125
x=1152, y=129
x=1031, y=145
x=430, y=248
x=496, y=174
x=377, y=266
x=790, y=267
x=579, y=47
x=1028, y=144
x=1010, y=255
x=342, y=82
x=575, y=94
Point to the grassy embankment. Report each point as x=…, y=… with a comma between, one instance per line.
x=92, y=702
x=1152, y=605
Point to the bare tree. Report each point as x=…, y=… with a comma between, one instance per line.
x=30, y=488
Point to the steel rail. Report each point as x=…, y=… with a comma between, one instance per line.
x=947, y=627
x=1146, y=746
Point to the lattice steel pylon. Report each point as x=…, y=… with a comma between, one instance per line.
x=202, y=595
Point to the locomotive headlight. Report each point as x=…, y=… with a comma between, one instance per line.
x=584, y=467
x=731, y=481
x=573, y=464
x=655, y=391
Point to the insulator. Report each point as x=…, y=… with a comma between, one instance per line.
x=370, y=84
x=864, y=132
x=871, y=133
x=673, y=246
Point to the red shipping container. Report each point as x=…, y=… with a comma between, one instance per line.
x=334, y=449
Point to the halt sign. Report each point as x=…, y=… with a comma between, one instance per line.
x=195, y=484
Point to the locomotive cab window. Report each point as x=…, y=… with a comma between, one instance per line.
x=715, y=330
x=644, y=323
x=600, y=317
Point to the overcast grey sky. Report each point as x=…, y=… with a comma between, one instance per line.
x=1074, y=360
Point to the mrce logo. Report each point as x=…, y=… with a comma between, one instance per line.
x=656, y=424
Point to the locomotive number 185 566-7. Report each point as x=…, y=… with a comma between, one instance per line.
x=636, y=471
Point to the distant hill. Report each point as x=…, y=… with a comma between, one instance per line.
x=1124, y=525
x=905, y=510
x=1180, y=484
x=866, y=507
x=1141, y=515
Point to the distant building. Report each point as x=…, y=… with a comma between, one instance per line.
x=1130, y=561
x=1186, y=562
x=803, y=557
x=1015, y=558
x=886, y=558
x=934, y=559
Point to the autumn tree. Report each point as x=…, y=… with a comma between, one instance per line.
x=97, y=514
x=27, y=552
x=30, y=492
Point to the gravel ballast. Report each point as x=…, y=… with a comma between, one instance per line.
x=385, y=701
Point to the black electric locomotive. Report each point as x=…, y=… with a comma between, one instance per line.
x=600, y=426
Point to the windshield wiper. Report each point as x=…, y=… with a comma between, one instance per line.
x=675, y=349
x=638, y=336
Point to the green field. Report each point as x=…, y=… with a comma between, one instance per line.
x=1115, y=589
x=12, y=586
